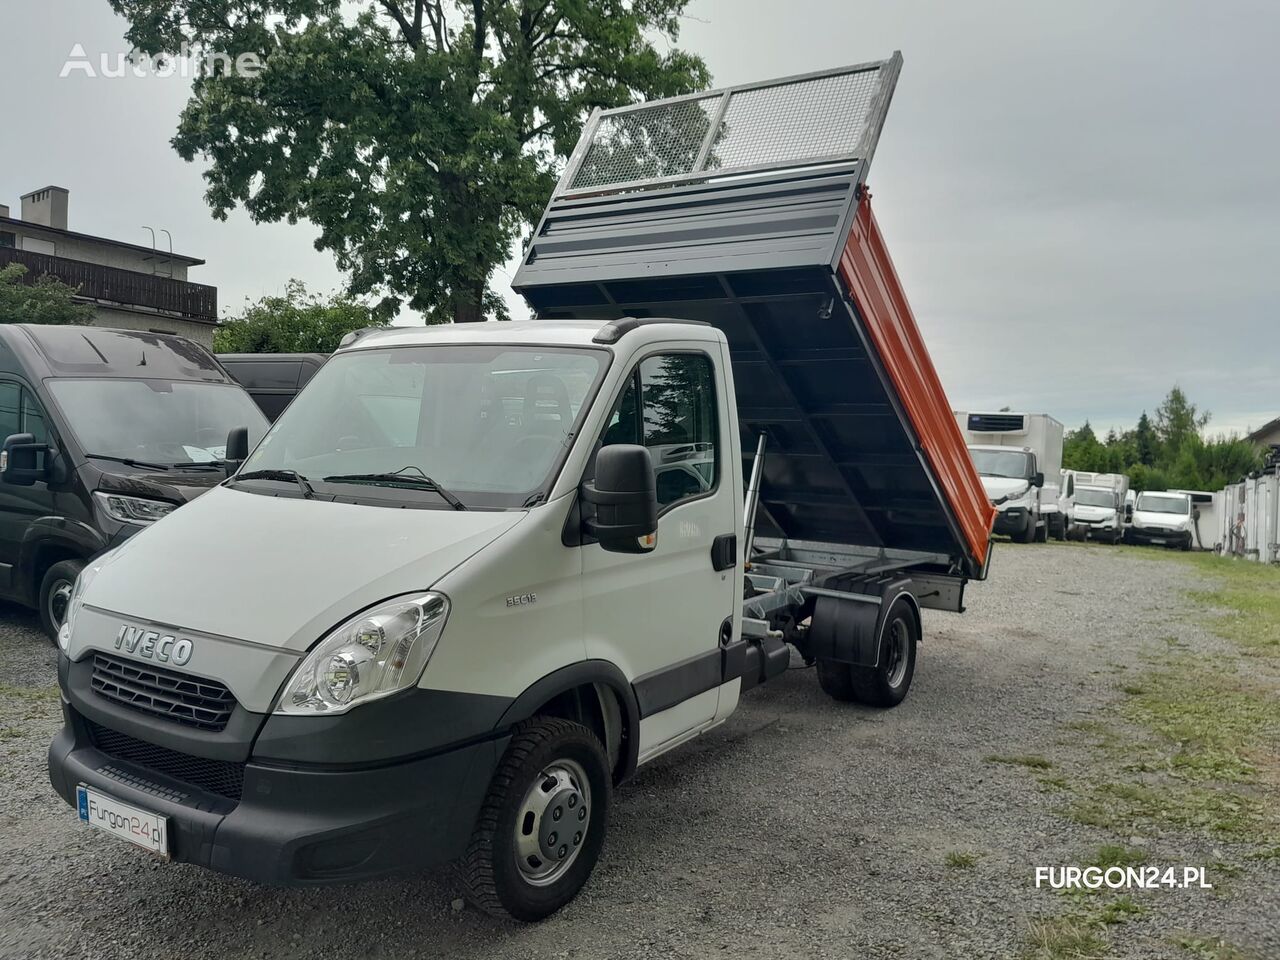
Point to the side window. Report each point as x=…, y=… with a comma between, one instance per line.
x=33, y=418
x=10, y=409
x=671, y=409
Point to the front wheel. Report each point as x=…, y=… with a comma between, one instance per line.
x=542, y=825
x=55, y=594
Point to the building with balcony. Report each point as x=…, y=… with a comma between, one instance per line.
x=129, y=286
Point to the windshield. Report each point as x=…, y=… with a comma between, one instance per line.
x=488, y=424
x=166, y=422
x=1156, y=503
x=1095, y=498
x=1002, y=463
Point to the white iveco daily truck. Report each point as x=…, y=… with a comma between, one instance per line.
x=1019, y=457
x=475, y=575
x=1097, y=505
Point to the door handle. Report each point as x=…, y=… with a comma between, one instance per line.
x=724, y=551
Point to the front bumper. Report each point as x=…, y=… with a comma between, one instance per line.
x=1011, y=521
x=1176, y=538
x=297, y=824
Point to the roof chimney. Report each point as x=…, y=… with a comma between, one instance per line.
x=46, y=207
x=4, y=210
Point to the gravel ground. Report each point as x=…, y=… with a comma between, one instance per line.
x=800, y=828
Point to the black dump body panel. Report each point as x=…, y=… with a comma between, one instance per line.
x=756, y=261
x=757, y=256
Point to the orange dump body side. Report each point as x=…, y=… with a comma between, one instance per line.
x=867, y=271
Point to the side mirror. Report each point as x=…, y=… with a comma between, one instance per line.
x=1037, y=479
x=237, y=448
x=625, y=495
x=22, y=460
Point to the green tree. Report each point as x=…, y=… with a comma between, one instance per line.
x=297, y=322
x=44, y=300
x=1146, y=441
x=1169, y=453
x=1178, y=421
x=421, y=136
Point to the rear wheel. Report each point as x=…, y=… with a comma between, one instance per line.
x=836, y=680
x=543, y=822
x=887, y=683
x=55, y=593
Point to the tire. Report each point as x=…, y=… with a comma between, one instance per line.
x=1027, y=534
x=1042, y=532
x=1060, y=528
x=886, y=684
x=55, y=590
x=836, y=680
x=544, y=770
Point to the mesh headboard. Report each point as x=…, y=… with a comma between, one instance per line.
x=820, y=118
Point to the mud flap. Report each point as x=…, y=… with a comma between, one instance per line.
x=847, y=629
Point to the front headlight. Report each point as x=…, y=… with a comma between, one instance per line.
x=76, y=601
x=374, y=654
x=133, y=509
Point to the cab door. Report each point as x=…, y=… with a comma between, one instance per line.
x=20, y=506
x=659, y=615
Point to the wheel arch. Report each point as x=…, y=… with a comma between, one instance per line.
x=43, y=546
x=594, y=693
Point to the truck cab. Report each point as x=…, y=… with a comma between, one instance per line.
x=1163, y=520
x=476, y=575
x=1019, y=458
x=104, y=432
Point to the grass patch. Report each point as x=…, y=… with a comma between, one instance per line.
x=1117, y=855
x=1064, y=938
x=1030, y=761
x=960, y=860
x=33, y=694
x=1119, y=910
x=12, y=733
x=1217, y=723
x=1209, y=948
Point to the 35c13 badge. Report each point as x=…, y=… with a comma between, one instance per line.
x=522, y=600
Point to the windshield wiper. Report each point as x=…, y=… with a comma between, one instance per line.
x=127, y=461
x=284, y=475
x=399, y=478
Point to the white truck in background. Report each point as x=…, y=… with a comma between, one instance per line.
x=1163, y=519
x=1097, y=506
x=1019, y=458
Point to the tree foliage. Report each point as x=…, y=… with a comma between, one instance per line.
x=421, y=136
x=45, y=300
x=297, y=322
x=1167, y=453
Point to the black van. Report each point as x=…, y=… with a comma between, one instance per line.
x=272, y=379
x=106, y=431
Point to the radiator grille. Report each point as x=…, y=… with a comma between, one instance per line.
x=188, y=700
x=222, y=777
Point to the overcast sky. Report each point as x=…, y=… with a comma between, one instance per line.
x=1083, y=199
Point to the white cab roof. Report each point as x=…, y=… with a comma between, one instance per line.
x=578, y=333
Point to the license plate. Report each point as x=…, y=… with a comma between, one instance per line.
x=148, y=830
x=1158, y=541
